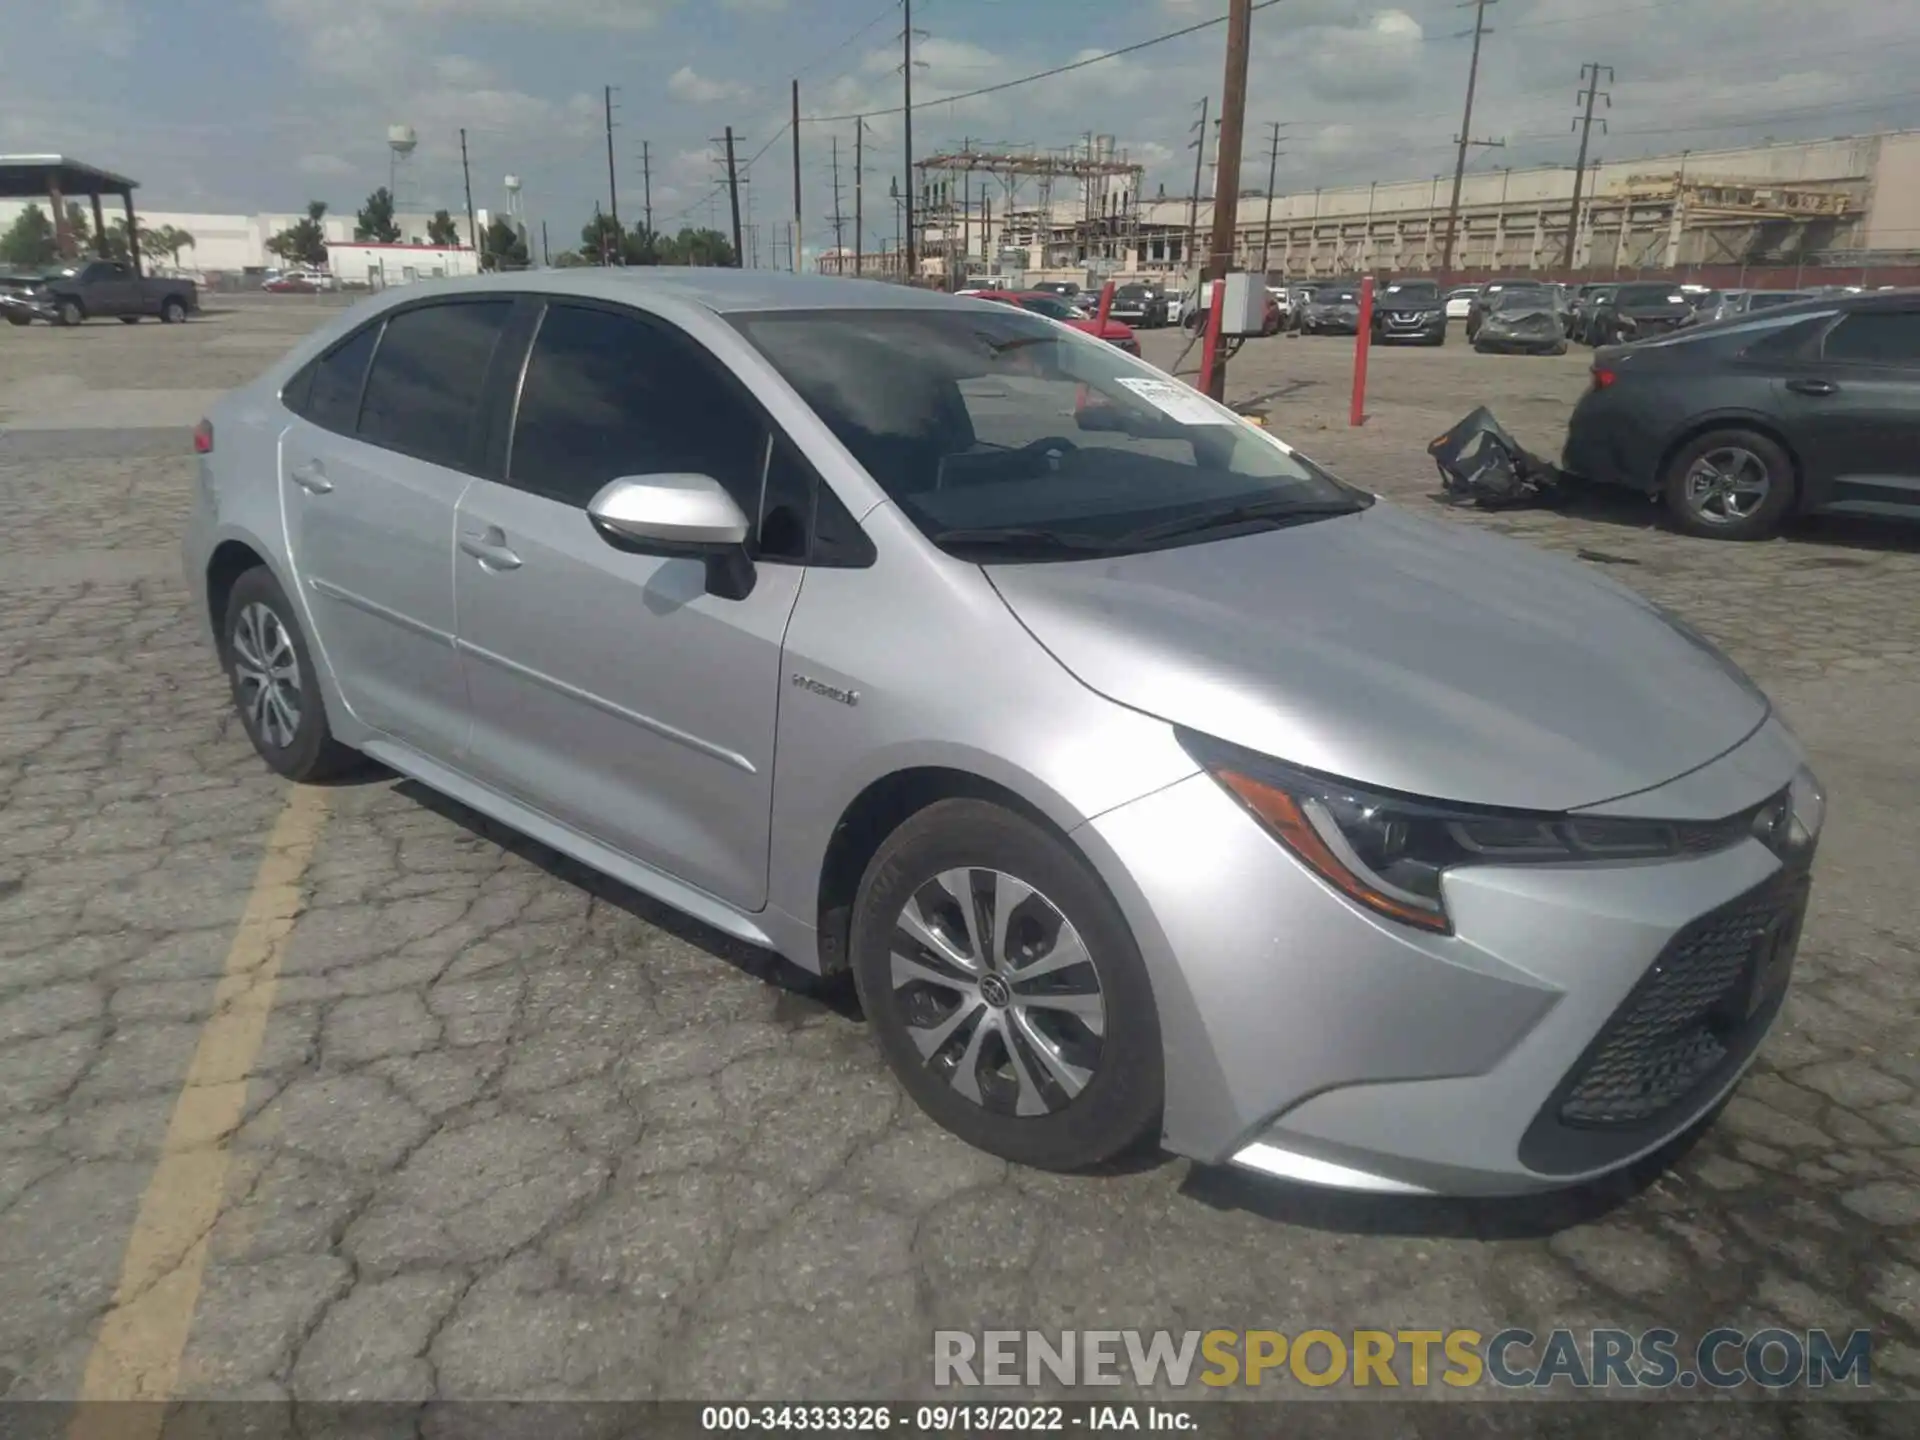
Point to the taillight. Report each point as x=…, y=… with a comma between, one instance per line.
x=203, y=438
x=1602, y=377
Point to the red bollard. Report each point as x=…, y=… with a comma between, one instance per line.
x=1357, y=415
x=1209, y=352
x=1106, y=304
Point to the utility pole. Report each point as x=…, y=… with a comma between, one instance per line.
x=859, y=184
x=1465, y=137
x=546, y=255
x=733, y=199
x=906, y=116
x=613, y=198
x=1274, y=127
x=1226, y=180
x=466, y=176
x=646, y=185
x=1590, y=79
x=793, y=235
x=1199, y=148
x=839, y=233
x=600, y=230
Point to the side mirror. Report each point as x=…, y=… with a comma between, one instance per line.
x=678, y=515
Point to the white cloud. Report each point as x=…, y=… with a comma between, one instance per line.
x=696, y=89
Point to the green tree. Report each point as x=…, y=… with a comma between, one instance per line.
x=375, y=221
x=170, y=240
x=305, y=241
x=79, y=227
x=28, y=242
x=505, y=248
x=697, y=247
x=601, y=241
x=441, y=229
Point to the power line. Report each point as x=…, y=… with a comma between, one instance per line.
x=1043, y=74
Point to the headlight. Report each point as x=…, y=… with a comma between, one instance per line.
x=1388, y=852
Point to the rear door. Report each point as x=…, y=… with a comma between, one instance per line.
x=388, y=440
x=610, y=691
x=1858, y=407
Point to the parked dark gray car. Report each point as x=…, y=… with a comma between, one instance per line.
x=1525, y=320
x=1410, y=310
x=1741, y=424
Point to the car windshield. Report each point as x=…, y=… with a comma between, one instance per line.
x=1133, y=292
x=1334, y=295
x=1049, y=306
x=1522, y=300
x=1649, y=295
x=1414, y=290
x=998, y=434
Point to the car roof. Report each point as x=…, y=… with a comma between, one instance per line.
x=724, y=291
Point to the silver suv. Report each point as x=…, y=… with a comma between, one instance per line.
x=1152, y=783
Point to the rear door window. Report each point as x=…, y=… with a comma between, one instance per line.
x=327, y=392
x=423, y=395
x=1876, y=337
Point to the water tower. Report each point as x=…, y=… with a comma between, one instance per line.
x=401, y=141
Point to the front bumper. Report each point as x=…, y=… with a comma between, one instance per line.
x=1308, y=1039
x=1335, y=324
x=1533, y=340
x=34, y=309
x=1421, y=327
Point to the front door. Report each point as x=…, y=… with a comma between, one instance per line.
x=609, y=690
x=370, y=491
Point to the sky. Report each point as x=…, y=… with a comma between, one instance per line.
x=261, y=105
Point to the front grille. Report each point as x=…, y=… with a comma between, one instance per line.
x=1685, y=1019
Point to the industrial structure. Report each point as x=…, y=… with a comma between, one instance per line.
x=1827, y=206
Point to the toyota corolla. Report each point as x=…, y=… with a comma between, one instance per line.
x=1153, y=784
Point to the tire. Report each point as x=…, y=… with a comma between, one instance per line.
x=129, y=319
x=173, y=310
x=1439, y=339
x=71, y=312
x=1559, y=349
x=256, y=609
x=1732, y=453
x=1032, y=1120
x=19, y=320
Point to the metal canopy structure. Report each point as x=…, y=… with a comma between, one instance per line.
x=1108, y=186
x=59, y=179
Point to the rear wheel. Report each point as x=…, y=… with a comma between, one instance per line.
x=1005, y=989
x=276, y=688
x=1730, y=485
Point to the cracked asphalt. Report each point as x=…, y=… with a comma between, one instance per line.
x=511, y=1131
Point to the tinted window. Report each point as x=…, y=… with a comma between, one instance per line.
x=1649, y=295
x=608, y=395
x=1052, y=309
x=1768, y=299
x=425, y=387
x=1876, y=337
x=330, y=396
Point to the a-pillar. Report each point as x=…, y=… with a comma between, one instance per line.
x=62, y=232
x=133, y=230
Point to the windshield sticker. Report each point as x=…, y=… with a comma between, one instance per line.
x=1177, y=401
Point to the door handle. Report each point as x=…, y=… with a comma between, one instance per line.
x=1812, y=387
x=311, y=478
x=491, y=549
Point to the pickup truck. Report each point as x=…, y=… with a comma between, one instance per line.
x=96, y=288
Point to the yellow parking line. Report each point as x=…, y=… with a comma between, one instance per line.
x=136, y=1355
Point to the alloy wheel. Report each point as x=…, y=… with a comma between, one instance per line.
x=998, y=992
x=1727, y=486
x=266, y=673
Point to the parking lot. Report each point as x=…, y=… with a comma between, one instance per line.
x=497, y=1128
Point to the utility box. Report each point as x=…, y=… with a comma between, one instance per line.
x=1243, y=309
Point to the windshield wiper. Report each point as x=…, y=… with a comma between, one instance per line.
x=1277, y=512
x=1020, y=537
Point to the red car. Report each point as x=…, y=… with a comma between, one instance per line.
x=290, y=285
x=1054, y=308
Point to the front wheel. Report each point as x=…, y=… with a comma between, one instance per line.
x=173, y=310
x=276, y=687
x=1729, y=485
x=1005, y=990
x=19, y=320
x=71, y=312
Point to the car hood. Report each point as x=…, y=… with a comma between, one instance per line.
x=1405, y=654
x=1523, y=315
